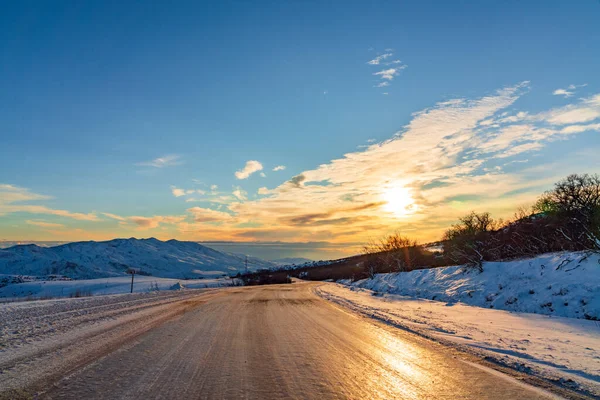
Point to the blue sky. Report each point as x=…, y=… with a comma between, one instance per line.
x=92, y=94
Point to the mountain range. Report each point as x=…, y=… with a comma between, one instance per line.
x=90, y=260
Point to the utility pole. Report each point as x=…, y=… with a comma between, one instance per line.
x=132, y=271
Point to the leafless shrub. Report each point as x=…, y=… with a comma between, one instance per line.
x=472, y=225
x=394, y=253
x=470, y=241
x=566, y=218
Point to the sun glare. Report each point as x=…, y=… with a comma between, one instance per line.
x=399, y=201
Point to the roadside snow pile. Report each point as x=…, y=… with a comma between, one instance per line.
x=560, y=284
x=563, y=350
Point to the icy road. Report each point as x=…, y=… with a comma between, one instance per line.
x=267, y=342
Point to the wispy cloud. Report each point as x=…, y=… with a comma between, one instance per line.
x=144, y=223
x=563, y=92
x=251, y=167
x=569, y=91
x=162, y=162
x=44, y=224
x=388, y=74
x=153, y=222
x=279, y=168
x=586, y=110
x=177, y=192
x=239, y=194
x=13, y=194
x=15, y=199
x=377, y=60
x=202, y=215
x=114, y=216
x=296, y=181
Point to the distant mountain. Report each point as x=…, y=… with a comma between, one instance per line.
x=8, y=243
x=292, y=261
x=89, y=260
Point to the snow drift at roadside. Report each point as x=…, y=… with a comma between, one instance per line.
x=560, y=284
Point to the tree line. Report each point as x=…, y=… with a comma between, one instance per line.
x=566, y=218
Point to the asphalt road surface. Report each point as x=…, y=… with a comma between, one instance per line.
x=283, y=342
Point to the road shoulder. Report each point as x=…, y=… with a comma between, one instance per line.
x=48, y=340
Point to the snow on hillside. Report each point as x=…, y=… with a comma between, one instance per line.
x=89, y=260
x=560, y=284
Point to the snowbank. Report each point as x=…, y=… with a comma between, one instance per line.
x=559, y=284
x=565, y=350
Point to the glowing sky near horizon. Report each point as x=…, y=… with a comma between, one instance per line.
x=291, y=122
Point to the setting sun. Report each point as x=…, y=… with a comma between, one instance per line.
x=399, y=201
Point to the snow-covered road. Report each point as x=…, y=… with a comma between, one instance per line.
x=41, y=341
x=267, y=342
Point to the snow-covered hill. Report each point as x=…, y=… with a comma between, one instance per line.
x=89, y=260
x=558, y=284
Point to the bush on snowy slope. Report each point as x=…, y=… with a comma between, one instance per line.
x=566, y=218
x=396, y=253
x=563, y=284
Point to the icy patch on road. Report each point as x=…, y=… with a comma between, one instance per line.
x=566, y=350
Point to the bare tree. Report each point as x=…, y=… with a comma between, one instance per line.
x=471, y=225
x=467, y=241
x=576, y=194
x=575, y=204
x=392, y=253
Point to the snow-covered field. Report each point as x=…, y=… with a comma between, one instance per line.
x=40, y=289
x=566, y=350
x=558, y=284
